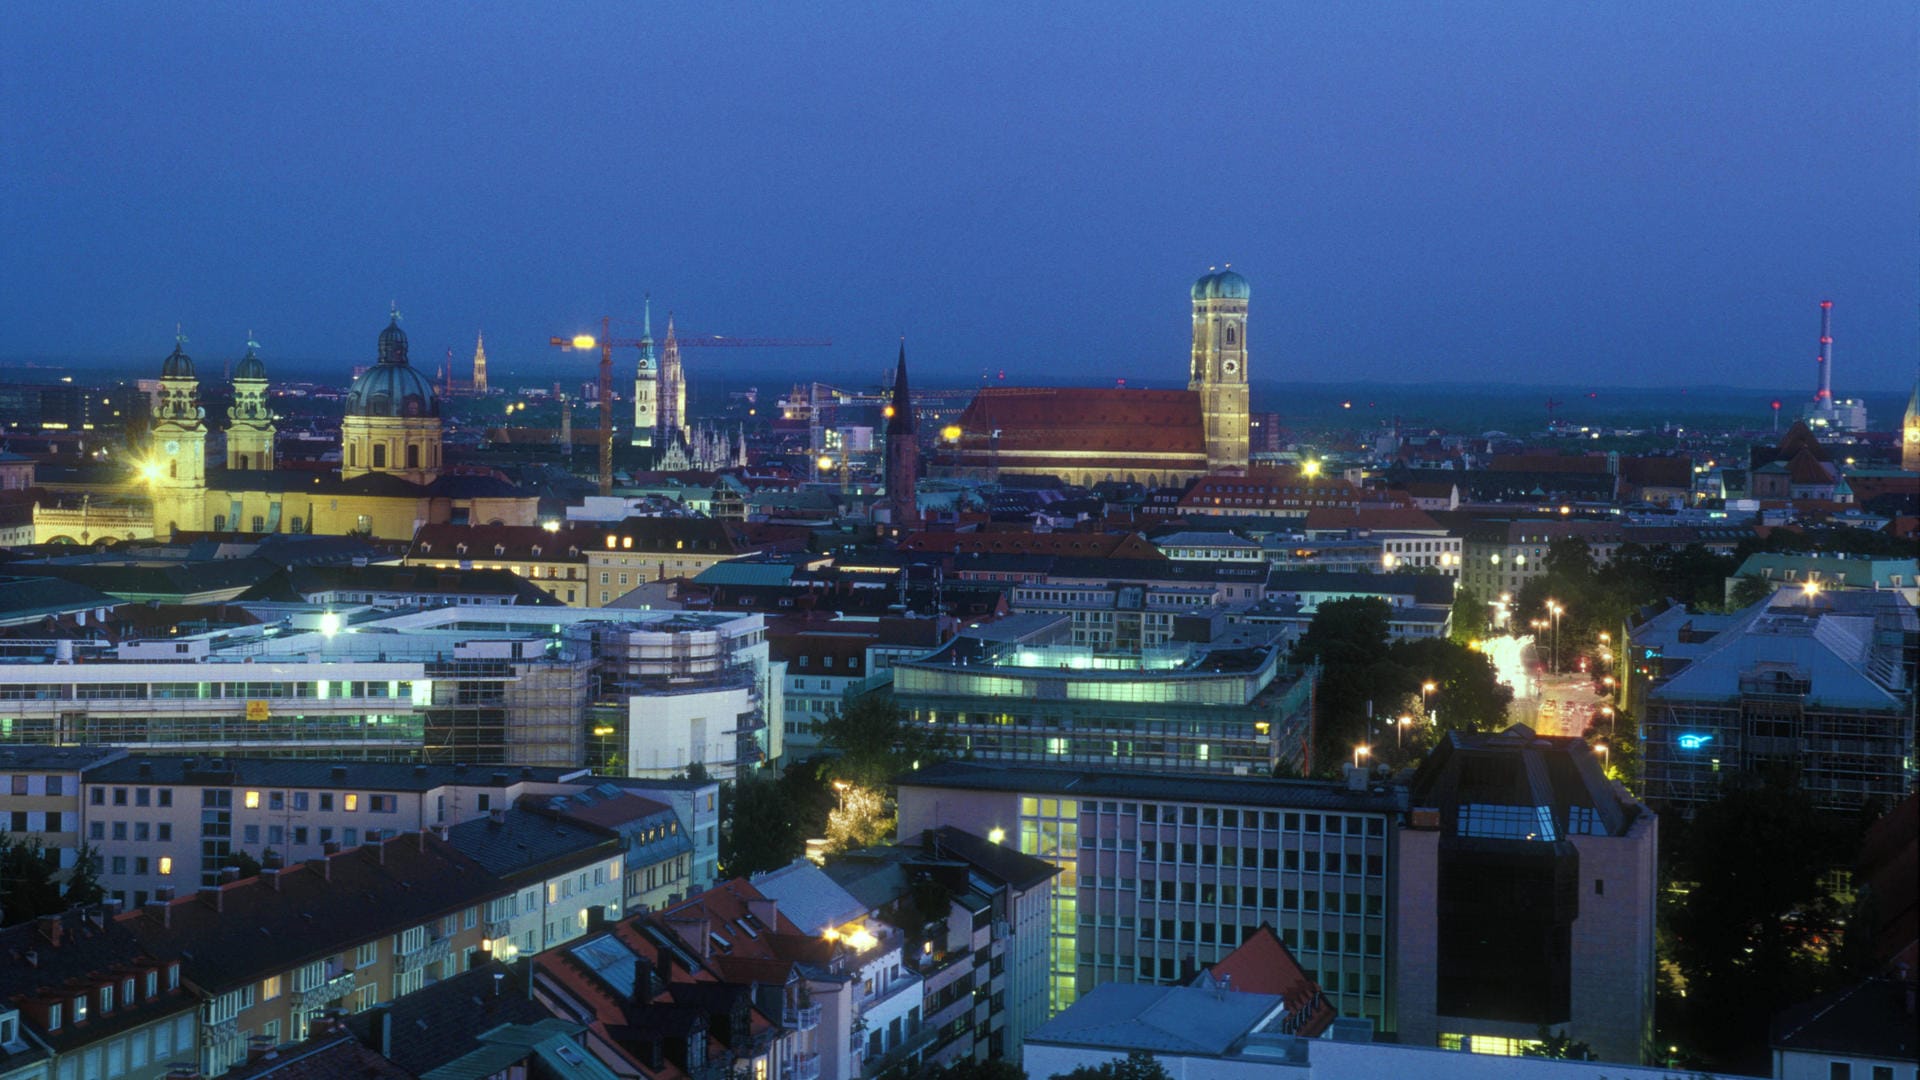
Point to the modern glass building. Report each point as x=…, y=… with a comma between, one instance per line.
x=1227, y=706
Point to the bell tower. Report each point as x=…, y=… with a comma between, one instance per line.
x=646, y=386
x=1219, y=371
x=176, y=472
x=250, y=423
x=903, y=450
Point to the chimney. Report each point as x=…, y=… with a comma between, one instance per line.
x=500, y=779
x=765, y=910
x=213, y=896
x=229, y=875
x=271, y=861
x=259, y=1048
x=331, y=847
x=51, y=928
x=383, y=1024
x=164, y=894
x=271, y=875
x=644, y=987
x=497, y=815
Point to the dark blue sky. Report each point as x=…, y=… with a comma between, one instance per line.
x=1614, y=193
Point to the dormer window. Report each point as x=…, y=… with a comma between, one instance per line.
x=536, y=551
x=460, y=549
x=80, y=1009
x=499, y=550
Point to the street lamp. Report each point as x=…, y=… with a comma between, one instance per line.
x=1606, y=757
x=1359, y=752
x=1607, y=711
x=1399, y=729
x=1554, y=607
x=1427, y=688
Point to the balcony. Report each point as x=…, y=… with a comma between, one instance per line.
x=327, y=992
x=431, y=953
x=800, y=1018
x=805, y=1067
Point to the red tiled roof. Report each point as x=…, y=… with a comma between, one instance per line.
x=1097, y=545
x=1266, y=488
x=1262, y=964
x=1383, y=519
x=1084, y=420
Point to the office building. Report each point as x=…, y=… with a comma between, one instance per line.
x=1161, y=873
x=1525, y=900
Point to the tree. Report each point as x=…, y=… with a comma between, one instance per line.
x=697, y=772
x=1470, y=616
x=1560, y=1047
x=1348, y=639
x=865, y=817
x=1751, y=937
x=83, y=881
x=874, y=742
x=27, y=886
x=759, y=828
x=247, y=865
x=1137, y=1065
x=1748, y=590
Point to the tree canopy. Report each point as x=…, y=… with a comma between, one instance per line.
x=1135, y=1066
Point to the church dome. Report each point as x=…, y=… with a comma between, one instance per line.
x=250, y=366
x=178, y=365
x=1222, y=285
x=393, y=342
x=392, y=388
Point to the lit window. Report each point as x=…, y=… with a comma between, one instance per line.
x=352, y=802
x=253, y=800
x=166, y=864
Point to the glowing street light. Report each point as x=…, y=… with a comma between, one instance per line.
x=1359, y=752
x=1426, y=689
x=1399, y=732
x=1557, y=610
x=1309, y=469
x=1606, y=756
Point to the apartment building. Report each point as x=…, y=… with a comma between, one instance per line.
x=683, y=688
x=1161, y=872
x=550, y=559
x=84, y=997
x=40, y=794
x=656, y=853
x=161, y=822
x=564, y=876
x=266, y=956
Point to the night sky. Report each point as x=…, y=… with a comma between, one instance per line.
x=1622, y=194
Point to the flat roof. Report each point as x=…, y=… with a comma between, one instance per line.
x=1224, y=790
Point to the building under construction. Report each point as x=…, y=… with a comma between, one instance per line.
x=1816, y=686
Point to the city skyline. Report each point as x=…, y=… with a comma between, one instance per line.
x=1633, y=197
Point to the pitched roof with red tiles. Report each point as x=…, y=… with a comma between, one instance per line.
x=1262, y=964
x=1263, y=488
x=1549, y=463
x=1128, y=545
x=1093, y=421
x=1373, y=519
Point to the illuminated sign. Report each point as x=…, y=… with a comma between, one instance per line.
x=1694, y=742
x=257, y=710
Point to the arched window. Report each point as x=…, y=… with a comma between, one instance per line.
x=173, y=470
x=379, y=455
x=1231, y=334
x=413, y=455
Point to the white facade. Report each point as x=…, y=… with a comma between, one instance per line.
x=539, y=917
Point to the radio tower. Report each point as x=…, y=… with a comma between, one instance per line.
x=1823, y=390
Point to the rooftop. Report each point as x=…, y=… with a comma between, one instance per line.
x=316, y=773
x=1219, y=790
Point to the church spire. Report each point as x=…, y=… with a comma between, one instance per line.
x=900, y=410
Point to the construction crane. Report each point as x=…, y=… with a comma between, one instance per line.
x=607, y=342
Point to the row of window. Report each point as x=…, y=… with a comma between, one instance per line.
x=1252, y=858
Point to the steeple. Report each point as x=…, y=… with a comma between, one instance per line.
x=1910, y=432
x=646, y=384
x=900, y=411
x=903, y=451
x=480, y=363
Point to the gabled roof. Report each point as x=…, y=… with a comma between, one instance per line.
x=1086, y=421
x=1168, y=1019
x=1262, y=964
x=517, y=845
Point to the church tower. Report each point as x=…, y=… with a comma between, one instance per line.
x=1910, y=433
x=250, y=422
x=646, y=386
x=392, y=424
x=479, y=365
x=673, y=391
x=177, y=471
x=903, y=450
x=1219, y=373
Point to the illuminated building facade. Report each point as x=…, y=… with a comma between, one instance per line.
x=646, y=387
x=1910, y=433
x=1152, y=437
x=1231, y=707
x=1160, y=873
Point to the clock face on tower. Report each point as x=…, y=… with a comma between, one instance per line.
x=1230, y=366
x=173, y=447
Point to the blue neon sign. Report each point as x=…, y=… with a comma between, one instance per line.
x=1694, y=742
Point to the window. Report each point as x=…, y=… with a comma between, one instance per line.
x=1839, y=1070
x=379, y=455
x=351, y=802
x=271, y=987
